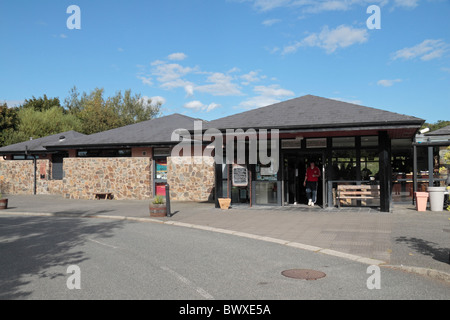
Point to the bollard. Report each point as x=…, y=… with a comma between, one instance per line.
x=168, y=214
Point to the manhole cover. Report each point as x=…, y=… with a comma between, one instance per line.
x=304, y=274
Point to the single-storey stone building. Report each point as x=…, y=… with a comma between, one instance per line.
x=351, y=144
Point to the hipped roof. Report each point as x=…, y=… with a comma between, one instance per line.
x=312, y=112
x=38, y=145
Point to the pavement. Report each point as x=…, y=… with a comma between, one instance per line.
x=404, y=239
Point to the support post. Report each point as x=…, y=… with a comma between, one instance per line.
x=385, y=170
x=168, y=214
x=218, y=188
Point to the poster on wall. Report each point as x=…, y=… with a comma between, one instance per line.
x=161, y=169
x=240, y=176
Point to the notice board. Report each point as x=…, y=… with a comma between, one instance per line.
x=240, y=176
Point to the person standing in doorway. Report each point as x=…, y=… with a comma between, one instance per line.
x=311, y=181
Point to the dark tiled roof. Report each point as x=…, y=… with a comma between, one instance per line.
x=37, y=145
x=154, y=131
x=440, y=132
x=312, y=112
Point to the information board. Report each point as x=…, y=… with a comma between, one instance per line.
x=240, y=176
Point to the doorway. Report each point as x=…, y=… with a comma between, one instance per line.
x=294, y=171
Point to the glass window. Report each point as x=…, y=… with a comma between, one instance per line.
x=111, y=153
x=161, y=152
x=23, y=157
x=266, y=192
x=344, y=165
x=369, y=141
x=370, y=165
x=401, y=143
x=343, y=142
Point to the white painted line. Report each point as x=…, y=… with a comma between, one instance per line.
x=103, y=244
x=303, y=246
x=186, y=281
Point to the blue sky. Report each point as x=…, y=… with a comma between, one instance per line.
x=212, y=58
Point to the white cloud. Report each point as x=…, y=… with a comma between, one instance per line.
x=250, y=77
x=319, y=6
x=177, y=56
x=157, y=100
x=154, y=101
x=341, y=37
x=388, y=83
x=406, y=3
x=273, y=91
x=266, y=5
x=267, y=95
x=189, y=90
x=427, y=50
x=220, y=85
x=198, y=106
x=146, y=80
x=270, y=22
x=170, y=74
x=328, y=6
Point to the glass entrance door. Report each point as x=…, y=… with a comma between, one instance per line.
x=294, y=171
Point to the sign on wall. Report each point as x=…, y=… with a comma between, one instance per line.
x=240, y=176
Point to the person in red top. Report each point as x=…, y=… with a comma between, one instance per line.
x=311, y=178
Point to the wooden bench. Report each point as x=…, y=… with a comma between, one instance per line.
x=103, y=195
x=361, y=192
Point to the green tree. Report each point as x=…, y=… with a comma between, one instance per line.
x=435, y=126
x=8, y=122
x=36, y=124
x=95, y=114
x=41, y=103
x=99, y=114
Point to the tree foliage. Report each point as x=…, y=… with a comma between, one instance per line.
x=85, y=113
x=41, y=103
x=99, y=114
x=8, y=122
x=435, y=126
x=37, y=124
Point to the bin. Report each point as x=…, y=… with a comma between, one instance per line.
x=436, y=198
x=421, y=201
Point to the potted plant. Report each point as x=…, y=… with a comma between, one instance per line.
x=158, y=207
x=224, y=203
x=3, y=202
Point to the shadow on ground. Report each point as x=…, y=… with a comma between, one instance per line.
x=426, y=248
x=29, y=246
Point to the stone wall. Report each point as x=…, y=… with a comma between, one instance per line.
x=19, y=177
x=125, y=178
x=191, y=178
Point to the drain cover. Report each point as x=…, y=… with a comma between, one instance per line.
x=304, y=274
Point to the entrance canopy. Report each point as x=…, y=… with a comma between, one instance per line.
x=342, y=136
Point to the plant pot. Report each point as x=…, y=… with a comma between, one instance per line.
x=157, y=210
x=3, y=204
x=436, y=198
x=224, y=203
x=421, y=201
